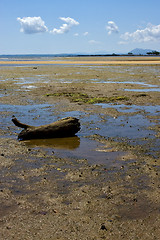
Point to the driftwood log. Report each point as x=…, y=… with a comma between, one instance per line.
x=65, y=127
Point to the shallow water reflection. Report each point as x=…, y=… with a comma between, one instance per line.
x=58, y=143
x=79, y=148
x=94, y=152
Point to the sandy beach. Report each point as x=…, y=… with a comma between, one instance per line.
x=104, y=182
x=88, y=61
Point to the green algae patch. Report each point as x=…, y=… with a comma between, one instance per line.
x=85, y=98
x=106, y=99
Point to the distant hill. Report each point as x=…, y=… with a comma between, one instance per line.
x=140, y=51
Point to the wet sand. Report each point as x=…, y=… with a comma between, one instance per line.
x=101, y=184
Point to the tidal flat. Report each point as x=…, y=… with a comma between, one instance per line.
x=104, y=182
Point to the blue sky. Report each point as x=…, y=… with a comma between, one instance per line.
x=73, y=26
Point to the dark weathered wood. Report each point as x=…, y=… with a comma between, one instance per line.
x=63, y=128
x=19, y=124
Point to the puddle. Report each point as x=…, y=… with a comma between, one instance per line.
x=69, y=143
x=79, y=148
x=132, y=108
x=30, y=80
x=91, y=150
x=95, y=80
x=28, y=87
x=143, y=90
x=141, y=83
x=42, y=78
x=3, y=95
x=132, y=125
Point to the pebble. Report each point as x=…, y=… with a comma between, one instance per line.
x=103, y=227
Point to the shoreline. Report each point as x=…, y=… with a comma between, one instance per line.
x=79, y=62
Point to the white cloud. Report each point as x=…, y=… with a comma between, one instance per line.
x=150, y=33
x=85, y=33
x=94, y=42
x=122, y=42
x=32, y=25
x=112, y=27
x=69, y=22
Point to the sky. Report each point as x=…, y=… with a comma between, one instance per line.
x=78, y=26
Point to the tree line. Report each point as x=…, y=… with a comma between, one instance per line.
x=153, y=53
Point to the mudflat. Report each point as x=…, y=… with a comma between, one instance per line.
x=104, y=182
